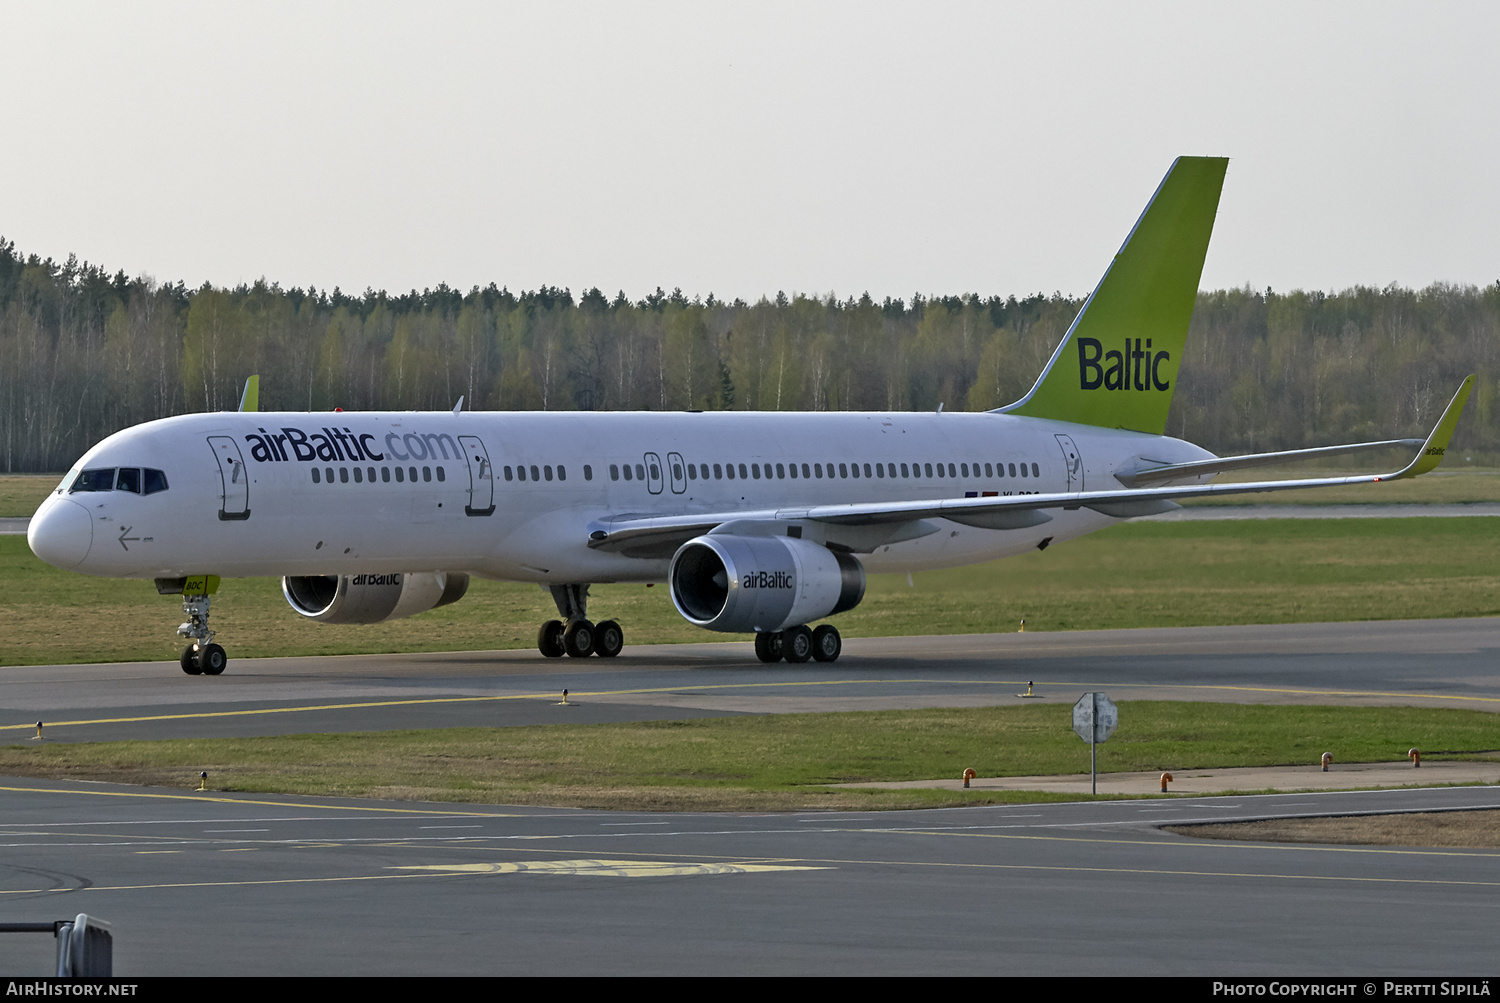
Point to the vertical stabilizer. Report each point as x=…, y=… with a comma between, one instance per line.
x=1117, y=366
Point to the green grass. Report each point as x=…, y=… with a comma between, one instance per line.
x=20, y=494
x=773, y=762
x=1459, y=486
x=1131, y=575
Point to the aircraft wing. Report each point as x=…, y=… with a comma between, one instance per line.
x=880, y=523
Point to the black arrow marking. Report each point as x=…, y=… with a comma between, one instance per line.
x=123, y=537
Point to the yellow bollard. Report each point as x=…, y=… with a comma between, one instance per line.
x=564, y=699
x=1415, y=757
x=1166, y=778
x=1023, y=628
x=969, y=774
x=203, y=781
x=1327, y=759
x=38, y=737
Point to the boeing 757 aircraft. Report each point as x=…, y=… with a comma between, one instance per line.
x=761, y=523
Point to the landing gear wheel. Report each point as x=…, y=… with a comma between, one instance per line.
x=578, y=639
x=190, y=661
x=768, y=646
x=797, y=644
x=608, y=639
x=826, y=643
x=211, y=660
x=549, y=640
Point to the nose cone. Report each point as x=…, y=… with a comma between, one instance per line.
x=61, y=533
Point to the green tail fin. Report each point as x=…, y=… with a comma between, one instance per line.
x=1117, y=365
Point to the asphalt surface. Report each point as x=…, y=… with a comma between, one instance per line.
x=265, y=884
x=1434, y=663
x=259, y=885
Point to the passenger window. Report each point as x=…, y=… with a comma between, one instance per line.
x=359, y=476
x=655, y=472
x=989, y=471
x=562, y=473
x=441, y=474
x=1036, y=471
x=129, y=480
x=718, y=473
x=929, y=469
x=780, y=472
x=843, y=470
x=385, y=475
x=963, y=468
x=728, y=470
x=547, y=471
x=411, y=474
x=400, y=474
x=614, y=472
x=426, y=473
x=343, y=475
x=534, y=473
x=867, y=470
x=676, y=471
x=755, y=470
x=692, y=471
x=791, y=468
x=806, y=472
x=588, y=472
x=940, y=470
x=1023, y=470
x=1013, y=470
x=640, y=472
x=521, y=473
x=743, y=472
x=818, y=471
x=316, y=478
x=904, y=471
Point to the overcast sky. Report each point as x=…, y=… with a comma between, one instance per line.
x=743, y=149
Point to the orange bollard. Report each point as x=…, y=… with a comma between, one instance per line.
x=1166, y=778
x=969, y=774
x=1415, y=757
x=1327, y=759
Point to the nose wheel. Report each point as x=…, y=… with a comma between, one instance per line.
x=201, y=657
x=203, y=660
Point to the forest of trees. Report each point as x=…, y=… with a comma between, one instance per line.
x=84, y=353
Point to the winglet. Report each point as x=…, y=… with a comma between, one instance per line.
x=459, y=406
x=250, y=400
x=1437, y=443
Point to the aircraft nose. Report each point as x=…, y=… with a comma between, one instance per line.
x=61, y=533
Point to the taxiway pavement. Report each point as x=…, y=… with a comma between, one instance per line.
x=1434, y=663
x=219, y=884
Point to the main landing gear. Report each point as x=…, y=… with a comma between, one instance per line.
x=798, y=644
x=202, y=656
x=575, y=635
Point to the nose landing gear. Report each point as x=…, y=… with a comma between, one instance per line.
x=201, y=656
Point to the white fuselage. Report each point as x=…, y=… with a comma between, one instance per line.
x=514, y=496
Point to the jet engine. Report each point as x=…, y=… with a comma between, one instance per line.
x=761, y=583
x=372, y=598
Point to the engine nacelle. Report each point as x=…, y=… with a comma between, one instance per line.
x=372, y=598
x=761, y=583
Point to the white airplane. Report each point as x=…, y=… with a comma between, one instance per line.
x=760, y=522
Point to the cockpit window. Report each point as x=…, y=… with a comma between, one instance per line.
x=137, y=480
x=95, y=480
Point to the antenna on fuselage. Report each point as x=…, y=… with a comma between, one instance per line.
x=459, y=406
x=250, y=399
